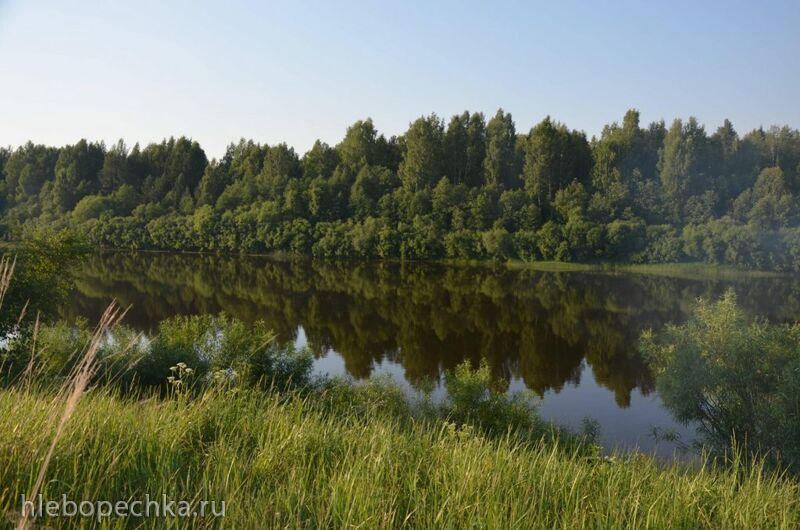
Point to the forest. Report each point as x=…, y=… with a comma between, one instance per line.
x=465, y=189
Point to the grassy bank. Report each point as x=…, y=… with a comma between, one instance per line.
x=347, y=458
x=695, y=271
x=689, y=271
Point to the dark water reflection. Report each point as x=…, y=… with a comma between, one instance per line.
x=569, y=337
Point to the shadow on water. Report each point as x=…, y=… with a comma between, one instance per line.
x=569, y=337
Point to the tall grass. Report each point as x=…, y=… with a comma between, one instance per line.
x=291, y=461
x=70, y=394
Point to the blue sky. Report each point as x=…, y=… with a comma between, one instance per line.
x=297, y=71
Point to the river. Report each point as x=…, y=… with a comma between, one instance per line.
x=567, y=338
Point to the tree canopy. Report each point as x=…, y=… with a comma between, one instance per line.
x=463, y=188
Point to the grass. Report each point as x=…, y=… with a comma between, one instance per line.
x=695, y=271
x=346, y=461
x=552, y=266
x=689, y=271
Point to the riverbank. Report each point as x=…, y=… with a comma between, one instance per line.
x=351, y=460
x=693, y=270
x=687, y=271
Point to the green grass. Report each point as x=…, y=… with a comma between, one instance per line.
x=695, y=271
x=553, y=266
x=689, y=271
x=351, y=459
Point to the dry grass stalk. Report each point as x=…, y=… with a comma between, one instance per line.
x=71, y=392
x=29, y=369
x=7, y=266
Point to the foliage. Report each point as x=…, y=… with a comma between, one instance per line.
x=211, y=343
x=635, y=194
x=474, y=399
x=739, y=380
x=206, y=344
x=43, y=275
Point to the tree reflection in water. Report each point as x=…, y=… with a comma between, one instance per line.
x=533, y=325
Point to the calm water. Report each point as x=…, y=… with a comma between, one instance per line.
x=568, y=337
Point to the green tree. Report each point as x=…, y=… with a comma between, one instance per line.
x=320, y=161
x=499, y=165
x=77, y=173
x=683, y=165
x=27, y=169
x=116, y=170
x=215, y=179
x=770, y=204
x=423, y=164
x=554, y=157
x=372, y=183
x=465, y=148
x=281, y=165
x=361, y=145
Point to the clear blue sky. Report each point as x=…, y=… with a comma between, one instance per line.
x=301, y=70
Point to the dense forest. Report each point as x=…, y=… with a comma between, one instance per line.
x=465, y=189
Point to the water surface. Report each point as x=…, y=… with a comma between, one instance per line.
x=570, y=338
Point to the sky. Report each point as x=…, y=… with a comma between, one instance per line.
x=300, y=70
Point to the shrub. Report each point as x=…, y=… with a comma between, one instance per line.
x=549, y=239
x=208, y=344
x=473, y=399
x=525, y=245
x=42, y=279
x=497, y=243
x=738, y=380
x=662, y=245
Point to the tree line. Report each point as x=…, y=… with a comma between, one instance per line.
x=467, y=188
